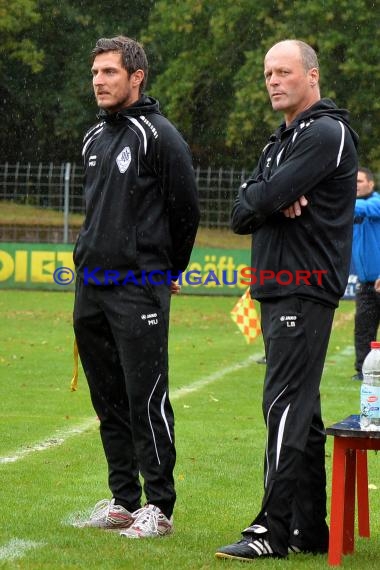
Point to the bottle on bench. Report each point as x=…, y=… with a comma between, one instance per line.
x=370, y=390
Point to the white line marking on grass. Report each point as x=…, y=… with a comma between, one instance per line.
x=54, y=441
x=78, y=518
x=16, y=548
x=202, y=382
x=61, y=436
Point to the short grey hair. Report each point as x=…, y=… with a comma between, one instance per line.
x=308, y=55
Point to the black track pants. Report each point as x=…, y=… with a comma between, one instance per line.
x=296, y=335
x=367, y=319
x=122, y=336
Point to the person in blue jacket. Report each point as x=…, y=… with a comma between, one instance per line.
x=366, y=260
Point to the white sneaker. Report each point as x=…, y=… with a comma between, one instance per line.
x=150, y=522
x=109, y=516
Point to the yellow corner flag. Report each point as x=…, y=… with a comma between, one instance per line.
x=245, y=316
x=74, y=380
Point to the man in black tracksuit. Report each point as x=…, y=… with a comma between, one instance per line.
x=298, y=205
x=141, y=220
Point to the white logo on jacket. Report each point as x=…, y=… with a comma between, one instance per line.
x=289, y=319
x=152, y=318
x=124, y=159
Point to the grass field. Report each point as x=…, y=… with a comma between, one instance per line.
x=51, y=462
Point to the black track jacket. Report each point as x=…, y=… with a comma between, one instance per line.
x=141, y=199
x=314, y=156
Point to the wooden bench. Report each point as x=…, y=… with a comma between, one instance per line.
x=349, y=467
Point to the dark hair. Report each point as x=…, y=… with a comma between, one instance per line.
x=132, y=54
x=367, y=172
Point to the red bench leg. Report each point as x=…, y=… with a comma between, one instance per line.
x=362, y=489
x=349, y=503
x=337, y=503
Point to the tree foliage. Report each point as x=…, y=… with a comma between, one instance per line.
x=217, y=76
x=47, y=110
x=206, y=68
x=17, y=18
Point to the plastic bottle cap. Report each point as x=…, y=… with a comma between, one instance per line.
x=375, y=344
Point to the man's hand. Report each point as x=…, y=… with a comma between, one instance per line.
x=377, y=285
x=175, y=288
x=295, y=209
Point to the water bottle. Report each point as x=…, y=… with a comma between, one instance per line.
x=370, y=390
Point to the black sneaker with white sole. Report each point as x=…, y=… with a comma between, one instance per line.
x=252, y=546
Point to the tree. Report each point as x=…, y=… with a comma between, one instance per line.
x=206, y=69
x=211, y=68
x=346, y=36
x=16, y=19
x=198, y=58
x=48, y=107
